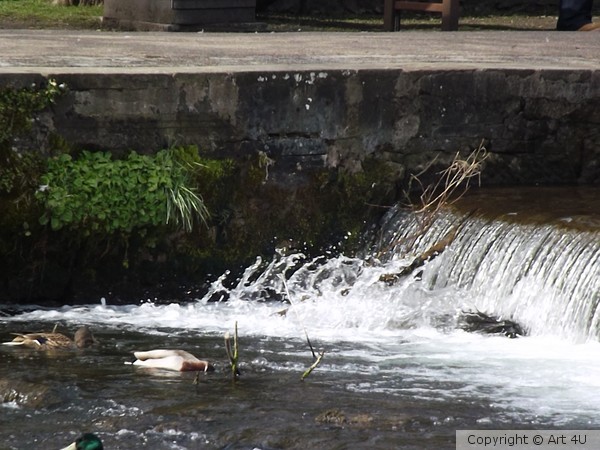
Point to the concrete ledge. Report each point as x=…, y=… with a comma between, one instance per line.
x=411, y=50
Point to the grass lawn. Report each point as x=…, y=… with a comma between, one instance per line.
x=43, y=14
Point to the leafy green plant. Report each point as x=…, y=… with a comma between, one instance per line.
x=96, y=194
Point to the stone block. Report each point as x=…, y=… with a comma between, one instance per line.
x=177, y=15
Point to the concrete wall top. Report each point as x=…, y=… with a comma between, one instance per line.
x=58, y=51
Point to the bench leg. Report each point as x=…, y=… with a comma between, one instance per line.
x=389, y=15
x=450, y=13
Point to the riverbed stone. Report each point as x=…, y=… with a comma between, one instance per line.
x=27, y=394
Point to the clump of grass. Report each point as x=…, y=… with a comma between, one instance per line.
x=43, y=14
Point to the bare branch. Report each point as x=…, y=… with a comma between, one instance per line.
x=451, y=184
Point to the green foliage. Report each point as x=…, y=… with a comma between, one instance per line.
x=212, y=177
x=18, y=106
x=96, y=194
x=20, y=171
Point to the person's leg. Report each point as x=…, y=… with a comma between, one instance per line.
x=573, y=14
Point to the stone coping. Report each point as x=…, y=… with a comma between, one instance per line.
x=52, y=51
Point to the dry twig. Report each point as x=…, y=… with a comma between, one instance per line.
x=316, y=357
x=314, y=365
x=233, y=353
x=452, y=183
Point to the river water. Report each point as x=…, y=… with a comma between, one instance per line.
x=397, y=372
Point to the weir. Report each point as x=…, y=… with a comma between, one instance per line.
x=540, y=271
x=544, y=276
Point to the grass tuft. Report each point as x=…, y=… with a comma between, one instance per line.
x=40, y=14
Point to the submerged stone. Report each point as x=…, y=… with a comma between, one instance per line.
x=479, y=322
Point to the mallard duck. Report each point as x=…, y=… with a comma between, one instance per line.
x=50, y=341
x=87, y=441
x=178, y=360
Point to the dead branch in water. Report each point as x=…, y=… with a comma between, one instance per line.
x=314, y=365
x=287, y=292
x=233, y=353
x=316, y=357
x=429, y=254
x=452, y=184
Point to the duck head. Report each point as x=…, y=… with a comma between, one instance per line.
x=84, y=338
x=87, y=441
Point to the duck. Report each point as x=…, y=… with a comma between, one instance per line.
x=177, y=360
x=87, y=441
x=53, y=341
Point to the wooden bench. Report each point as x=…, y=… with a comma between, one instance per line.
x=449, y=9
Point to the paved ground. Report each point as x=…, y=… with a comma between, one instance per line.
x=50, y=51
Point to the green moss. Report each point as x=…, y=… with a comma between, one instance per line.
x=19, y=171
x=330, y=207
x=17, y=107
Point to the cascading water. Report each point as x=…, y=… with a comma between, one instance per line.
x=396, y=362
x=545, y=276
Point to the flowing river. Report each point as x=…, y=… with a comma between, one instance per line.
x=397, y=371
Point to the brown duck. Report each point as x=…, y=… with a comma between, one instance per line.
x=50, y=341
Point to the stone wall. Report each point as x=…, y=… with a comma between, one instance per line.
x=539, y=126
x=319, y=154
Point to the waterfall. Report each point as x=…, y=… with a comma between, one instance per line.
x=539, y=270
x=544, y=276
